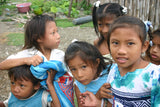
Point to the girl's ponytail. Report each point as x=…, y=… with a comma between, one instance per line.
x=94, y=15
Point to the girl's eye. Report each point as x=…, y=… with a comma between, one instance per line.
x=73, y=69
x=53, y=33
x=100, y=25
x=12, y=83
x=84, y=66
x=115, y=43
x=108, y=25
x=22, y=85
x=130, y=43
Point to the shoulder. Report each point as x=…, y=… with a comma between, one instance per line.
x=95, y=42
x=24, y=53
x=45, y=102
x=58, y=52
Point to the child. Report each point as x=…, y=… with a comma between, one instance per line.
x=154, y=49
x=134, y=81
x=26, y=91
x=87, y=66
x=41, y=40
x=103, y=15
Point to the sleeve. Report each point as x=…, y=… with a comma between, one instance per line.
x=6, y=101
x=45, y=102
x=155, y=91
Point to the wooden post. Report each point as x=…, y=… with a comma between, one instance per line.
x=70, y=8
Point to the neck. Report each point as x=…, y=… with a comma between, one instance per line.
x=46, y=52
x=139, y=65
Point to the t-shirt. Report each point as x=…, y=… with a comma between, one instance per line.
x=94, y=85
x=39, y=99
x=135, y=89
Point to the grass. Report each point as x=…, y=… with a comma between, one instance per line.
x=15, y=39
x=68, y=23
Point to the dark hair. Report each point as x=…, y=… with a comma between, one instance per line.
x=107, y=9
x=35, y=29
x=23, y=72
x=153, y=34
x=87, y=52
x=156, y=33
x=128, y=22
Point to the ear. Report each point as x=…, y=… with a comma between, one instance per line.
x=98, y=62
x=145, y=46
x=40, y=40
x=36, y=87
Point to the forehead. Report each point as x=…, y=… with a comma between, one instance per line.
x=107, y=18
x=156, y=39
x=51, y=24
x=124, y=33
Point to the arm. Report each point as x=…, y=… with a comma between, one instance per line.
x=2, y=104
x=77, y=92
x=104, y=92
x=10, y=63
x=55, y=101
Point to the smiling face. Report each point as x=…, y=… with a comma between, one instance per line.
x=51, y=39
x=82, y=72
x=23, y=89
x=155, y=50
x=126, y=48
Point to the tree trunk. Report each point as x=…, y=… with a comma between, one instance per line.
x=70, y=8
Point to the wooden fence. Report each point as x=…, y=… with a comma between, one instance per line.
x=143, y=9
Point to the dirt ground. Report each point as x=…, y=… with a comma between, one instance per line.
x=67, y=35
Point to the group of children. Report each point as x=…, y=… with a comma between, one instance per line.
x=112, y=72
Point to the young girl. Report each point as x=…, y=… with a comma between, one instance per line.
x=154, y=49
x=87, y=66
x=103, y=15
x=41, y=40
x=26, y=90
x=134, y=81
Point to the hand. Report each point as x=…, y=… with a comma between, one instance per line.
x=89, y=99
x=34, y=60
x=51, y=75
x=104, y=91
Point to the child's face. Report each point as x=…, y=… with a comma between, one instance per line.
x=82, y=72
x=126, y=47
x=103, y=25
x=155, y=50
x=51, y=39
x=22, y=89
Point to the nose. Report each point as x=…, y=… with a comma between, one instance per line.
x=16, y=89
x=79, y=74
x=154, y=48
x=121, y=50
x=105, y=29
x=58, y=36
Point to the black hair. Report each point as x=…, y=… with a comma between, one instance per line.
x=35, y=29
x=107, y=9
x=87, y=52
x=23, y=72
x=129, y=22
x=153, y=34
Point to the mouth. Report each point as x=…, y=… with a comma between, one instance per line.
x=82, y=81
x=154, y=56
x=121, y=60
x=17, y=96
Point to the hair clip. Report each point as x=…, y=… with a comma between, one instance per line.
x=97, y=3
x=148, y=24
x=151, y=43
x=124, y=10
